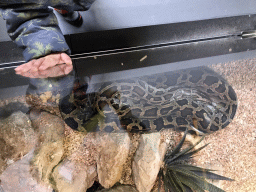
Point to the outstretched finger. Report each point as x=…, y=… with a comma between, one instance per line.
x=68, y=69
x=24, y=67
x=66, y=59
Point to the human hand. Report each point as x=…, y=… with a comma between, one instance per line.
x=53, y=65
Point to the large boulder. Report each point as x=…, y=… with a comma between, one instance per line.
x=147, y=161
x=74, y=176
x=17, y=138
x=113, y=150
x=49, y=149
x=17, y=177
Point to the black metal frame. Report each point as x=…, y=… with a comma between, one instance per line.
x=160, y=35
x=122, y=49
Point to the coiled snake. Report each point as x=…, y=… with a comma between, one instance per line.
x=198, y=99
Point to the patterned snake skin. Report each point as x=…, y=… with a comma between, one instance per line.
x=197, y=99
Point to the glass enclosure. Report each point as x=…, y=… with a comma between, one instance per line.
x=118, y=131
x=161, y=98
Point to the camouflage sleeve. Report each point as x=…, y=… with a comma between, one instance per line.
x=34, y=28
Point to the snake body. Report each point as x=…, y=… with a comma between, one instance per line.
x=197, y=99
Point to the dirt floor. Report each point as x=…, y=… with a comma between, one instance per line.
x=233, y=149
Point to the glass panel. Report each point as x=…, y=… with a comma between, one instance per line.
x=88, y=133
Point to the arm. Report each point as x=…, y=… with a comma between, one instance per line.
x=34, y=28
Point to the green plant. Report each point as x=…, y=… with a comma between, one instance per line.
x=179, y=176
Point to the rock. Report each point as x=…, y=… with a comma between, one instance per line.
x=74, y=176
x=49, y=155
x=49, y=150
x=120, y=188
x=11, y=108
x=17, y=138
x=147, y=161
x=78, y=171
x=113, y=149
x=17, y=177
x=51, y=128
x=34, y=116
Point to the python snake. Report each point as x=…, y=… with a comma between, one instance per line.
x=197, y=99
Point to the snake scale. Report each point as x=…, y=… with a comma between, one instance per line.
x=197, y=99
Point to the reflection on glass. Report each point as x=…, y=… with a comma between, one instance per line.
x=117, y=133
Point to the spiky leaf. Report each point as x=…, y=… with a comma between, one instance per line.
x=189, y=155
x=212, y=176
x=180, y=177
x=185, y=151
x=187, y=181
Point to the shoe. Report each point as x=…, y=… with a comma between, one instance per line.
x=74, y=18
